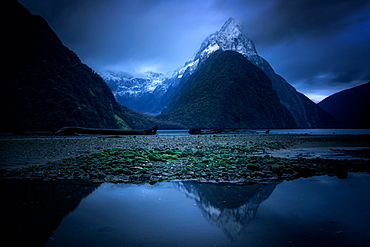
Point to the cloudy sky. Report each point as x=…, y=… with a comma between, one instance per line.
x=318, y=46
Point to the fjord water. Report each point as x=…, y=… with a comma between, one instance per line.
x=317, y=211
x=286, y=131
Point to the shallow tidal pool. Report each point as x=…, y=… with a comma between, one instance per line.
x=316, y=211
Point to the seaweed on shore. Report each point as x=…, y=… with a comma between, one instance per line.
x=241, y=164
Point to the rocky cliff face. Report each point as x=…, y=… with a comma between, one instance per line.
x=228, y=91
x=306, y=113
x=45, y=84
x=351, y=107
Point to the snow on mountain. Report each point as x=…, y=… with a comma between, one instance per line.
x=123, y=83
x=230, y=37
x=154, y=92
x=130, y=90
x=190, y=66
x=127, y=88
x=141, y=94
x=114, y=76
x=156, y=79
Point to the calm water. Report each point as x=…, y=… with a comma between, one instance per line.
x=319, y=211
x=286, y=131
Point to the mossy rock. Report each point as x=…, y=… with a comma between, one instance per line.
x=253, y=167
x=153, y=157
x=287, y=170
x=128, y=172
x=141, y=161
x=275, y=168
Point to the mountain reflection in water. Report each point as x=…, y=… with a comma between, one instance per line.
x=228, y=206
x=164, y=214
x=317, y=211
x=32, y=209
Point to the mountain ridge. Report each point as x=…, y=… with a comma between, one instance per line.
x=138, y=93
x=45, y=85
x=350, y=107
x=228, y=91
x=230, y=37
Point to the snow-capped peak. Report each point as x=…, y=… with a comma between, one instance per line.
x=114, y=76
x=229, y=37
x=134, y=91
x=231, y=28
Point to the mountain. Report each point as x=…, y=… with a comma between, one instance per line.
x=44, y=84
x=351, y=107
x=228, y=91
x=142, y=94
x=230, y=37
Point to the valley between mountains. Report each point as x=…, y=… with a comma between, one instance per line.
x=225, y=85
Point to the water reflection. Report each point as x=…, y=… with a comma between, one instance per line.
x=229, y=206
x=32, y=210
x=164, y=214
x=319, y=211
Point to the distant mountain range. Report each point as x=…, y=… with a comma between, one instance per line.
x=351, y=107
x=141, y=94
x=230, y=37
x=226, y=84
x=45, y=85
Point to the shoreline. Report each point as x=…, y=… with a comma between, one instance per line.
x=233, y=158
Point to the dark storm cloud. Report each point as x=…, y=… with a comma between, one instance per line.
x=287, y=20
x=320, y=47
x=130, y=34
x=315, y=45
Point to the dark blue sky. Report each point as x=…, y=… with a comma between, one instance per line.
x=318, y=46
